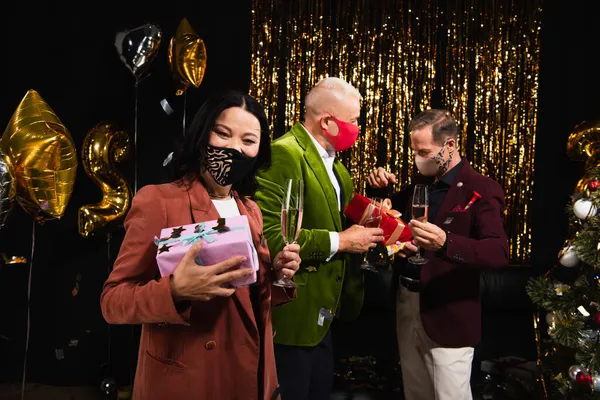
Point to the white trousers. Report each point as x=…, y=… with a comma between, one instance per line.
x=429, y=371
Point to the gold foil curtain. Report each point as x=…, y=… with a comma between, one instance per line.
x=477, y=59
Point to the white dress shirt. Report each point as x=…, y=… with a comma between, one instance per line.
x=328, y=160
x=227, y=207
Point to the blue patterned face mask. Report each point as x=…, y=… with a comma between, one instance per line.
x=227, y=166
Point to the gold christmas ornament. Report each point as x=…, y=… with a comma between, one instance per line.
x=584, y=145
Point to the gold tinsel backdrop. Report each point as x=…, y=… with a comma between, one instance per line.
x=477, y=59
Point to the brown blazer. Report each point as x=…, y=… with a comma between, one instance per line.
x=450, y=300
x=199, y=350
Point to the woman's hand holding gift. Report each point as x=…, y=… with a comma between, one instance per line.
x=189, y=282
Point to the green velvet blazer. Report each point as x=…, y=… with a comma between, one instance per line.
x=335, y=285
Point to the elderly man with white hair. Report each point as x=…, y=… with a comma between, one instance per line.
x=329, y=282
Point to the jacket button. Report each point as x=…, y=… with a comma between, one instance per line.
x=338, y=278
x=210, y=345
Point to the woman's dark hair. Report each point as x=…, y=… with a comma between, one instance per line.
x=188, y=158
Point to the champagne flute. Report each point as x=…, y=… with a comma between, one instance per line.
x=292, y=206
x=420, y=207
x=373, y=221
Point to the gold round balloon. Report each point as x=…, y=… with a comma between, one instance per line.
x=584, y=145
x=43, y=156
x=187, y=57
x=102, y=147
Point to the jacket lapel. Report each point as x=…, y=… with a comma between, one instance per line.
x=240, y=294
x=203, y=209
x=346, y=185
x=455, y=195
x=346, y=189
x=315, y=162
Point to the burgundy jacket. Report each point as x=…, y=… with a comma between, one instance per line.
x=476, y=239
x=199, y=350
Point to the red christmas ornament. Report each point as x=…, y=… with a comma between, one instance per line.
x=593, y=184
x=584, y=379
x=597, y=318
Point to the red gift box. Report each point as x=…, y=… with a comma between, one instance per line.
x=394, y=229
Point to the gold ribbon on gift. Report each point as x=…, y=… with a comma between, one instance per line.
x=386, y=208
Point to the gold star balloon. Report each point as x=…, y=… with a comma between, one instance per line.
x=43, y=156
x=187, y=57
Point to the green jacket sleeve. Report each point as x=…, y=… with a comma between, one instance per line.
x=269, y=196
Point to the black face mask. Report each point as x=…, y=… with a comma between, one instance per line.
x=227, y=166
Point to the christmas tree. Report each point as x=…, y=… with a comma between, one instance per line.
x=568, y=295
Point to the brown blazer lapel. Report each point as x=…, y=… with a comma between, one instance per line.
x=259, y=244
x=203, y=209
x=242, y=295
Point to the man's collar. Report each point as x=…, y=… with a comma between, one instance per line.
x=449, y=177
x=322, y=152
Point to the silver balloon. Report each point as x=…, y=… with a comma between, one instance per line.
x=7, y=187
x=138, y=47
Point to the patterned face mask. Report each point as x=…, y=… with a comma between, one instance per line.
x=227, y=166
x=435, y=166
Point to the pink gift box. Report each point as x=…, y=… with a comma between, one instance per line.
x=222, y=239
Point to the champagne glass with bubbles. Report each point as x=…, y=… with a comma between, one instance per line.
x=420, y=208
x=292, y=206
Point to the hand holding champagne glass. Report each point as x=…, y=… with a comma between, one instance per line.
x=292, y=207
x=420, y=208
x=373, y=221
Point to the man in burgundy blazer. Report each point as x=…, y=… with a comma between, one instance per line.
x=438, y=305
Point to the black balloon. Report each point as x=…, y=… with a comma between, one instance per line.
x=7, y=187
x=138, y=47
